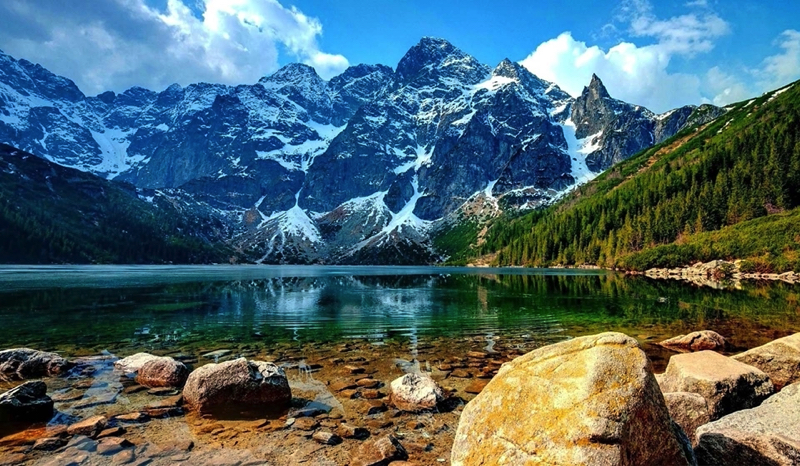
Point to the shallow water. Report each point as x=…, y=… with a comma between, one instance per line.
x=88, y=309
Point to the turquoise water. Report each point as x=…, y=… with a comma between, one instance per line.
x=87, y=309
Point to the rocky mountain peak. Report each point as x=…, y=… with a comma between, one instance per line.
x=440, y=55
x=296, y=74
x=596, y=90
x=507, y=69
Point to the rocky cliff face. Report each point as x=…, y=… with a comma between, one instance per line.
x=357, y=169
x=618, y=129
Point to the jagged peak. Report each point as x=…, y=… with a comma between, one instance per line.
x=596, y=88
x=508, y=69
x=293, y=73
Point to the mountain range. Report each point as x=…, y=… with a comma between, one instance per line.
x=367, y=167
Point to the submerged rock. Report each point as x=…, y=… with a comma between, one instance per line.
x=25, y=363
x=780, y=359
x=696, y=341
x=162, y=372
x=238, y=388
x=726, y=384
x=26, y=403
x=590, y=400
x=416, y=392
x=766, y=435
x=89, y=427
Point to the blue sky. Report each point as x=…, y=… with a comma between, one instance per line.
x=658, y=54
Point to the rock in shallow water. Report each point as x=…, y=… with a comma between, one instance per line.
x=24, y=363
x=727, y=385
x=162, y=372
x=766, y=435
x=132, y=364
x=590, y=400
x=416, y=392
x=780, y=359
x=26, y=403
x=238, y=388
x=696, y=341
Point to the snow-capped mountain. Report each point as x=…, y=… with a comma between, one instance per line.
x=358, y=169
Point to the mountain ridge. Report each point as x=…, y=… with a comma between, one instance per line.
x=351, y=169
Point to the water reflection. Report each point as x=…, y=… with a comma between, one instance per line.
x=100, y=308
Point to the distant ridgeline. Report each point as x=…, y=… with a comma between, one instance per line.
x=729, y=189
x=375, y=166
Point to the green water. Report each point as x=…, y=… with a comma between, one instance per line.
x=84, y=310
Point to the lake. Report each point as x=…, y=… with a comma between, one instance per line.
x=341, y=335
x=84, y=310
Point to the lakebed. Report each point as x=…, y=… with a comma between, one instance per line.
x=331, y=328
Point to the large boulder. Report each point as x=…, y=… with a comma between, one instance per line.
x=416, y=392
x=26, y=403
x=696, y=341
x=689, y=410
x=237, y=388
x=766, y=435
x=162, y=372
x=780, y=359
x=726, y=384
x=25, y=363
x=590, y=400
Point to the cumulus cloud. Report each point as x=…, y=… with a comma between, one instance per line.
x=116, y=44
x=634, y=73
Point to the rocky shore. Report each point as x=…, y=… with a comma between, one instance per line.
x=717, y=274
x=586, y=400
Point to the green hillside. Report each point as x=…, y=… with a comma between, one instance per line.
x=727, y=190
x=52, y=214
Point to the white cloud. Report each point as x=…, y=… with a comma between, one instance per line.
x=641, y=74
x=116, y=44
x=634, y=74
x=783, y=68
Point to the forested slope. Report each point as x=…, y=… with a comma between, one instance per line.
x=659, y=207
x=52, y=214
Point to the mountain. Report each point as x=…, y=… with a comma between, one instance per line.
x=53, y=214
x=364, y=168
x=729, y=189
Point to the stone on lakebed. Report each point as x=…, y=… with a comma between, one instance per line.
x=237, y=388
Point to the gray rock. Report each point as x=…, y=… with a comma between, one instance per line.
x=726, y=384
x=766, y=435
x=416, y=392
x=26, y=403
x=24, y=363
x=780, y=359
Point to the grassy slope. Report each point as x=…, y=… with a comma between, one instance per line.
x=727, y=190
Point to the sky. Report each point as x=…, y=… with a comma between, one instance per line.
x=658, y=54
